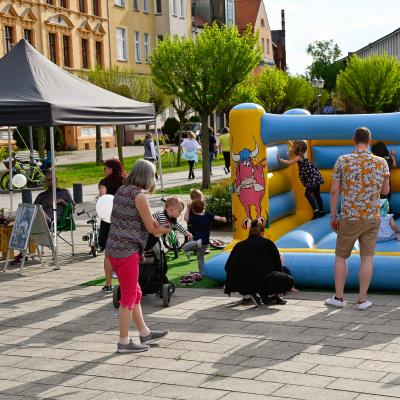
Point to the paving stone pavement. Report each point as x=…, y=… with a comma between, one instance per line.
x=58, y=341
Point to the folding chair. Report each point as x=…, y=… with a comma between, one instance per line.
x=66, y=223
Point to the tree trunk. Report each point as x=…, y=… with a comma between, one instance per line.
x=99, y=147
x=119, y=144
x=178, y=157
x=41, y=142
x=205, y=151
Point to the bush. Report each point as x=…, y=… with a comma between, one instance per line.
x=70, y=147
x=24, y=132
x=219, y=201
x=138, y=142
x=194, y=118
x=170, y=128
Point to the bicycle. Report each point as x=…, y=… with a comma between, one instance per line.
x=174, y=241
x=31, y=170
x=92, y=237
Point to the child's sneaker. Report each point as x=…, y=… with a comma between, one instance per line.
x=196, y=276
x=334, y=302
x=363, y=306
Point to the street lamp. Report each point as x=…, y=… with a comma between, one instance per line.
x=318, y=84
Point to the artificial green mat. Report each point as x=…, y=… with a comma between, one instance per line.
x=176, y=268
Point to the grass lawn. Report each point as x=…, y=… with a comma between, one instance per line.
x=89, y=173
x=176, y=268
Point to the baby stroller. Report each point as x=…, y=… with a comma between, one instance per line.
x=152, y=276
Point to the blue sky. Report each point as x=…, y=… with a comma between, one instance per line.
x=351, y=24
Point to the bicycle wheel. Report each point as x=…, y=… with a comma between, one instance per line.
x=5, y=182
x=174, y=240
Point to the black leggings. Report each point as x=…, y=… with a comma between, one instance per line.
x=313, y=196
x=227, y=159
x=274, y=283
x=191, y=169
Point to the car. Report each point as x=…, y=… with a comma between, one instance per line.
x=195, y=127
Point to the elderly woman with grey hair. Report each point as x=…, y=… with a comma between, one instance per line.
x=131, y=224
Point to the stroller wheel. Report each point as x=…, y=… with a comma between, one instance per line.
x=171, y=288
x=166, y=295
x=116, y=296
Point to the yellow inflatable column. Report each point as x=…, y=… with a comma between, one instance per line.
x=249, y=169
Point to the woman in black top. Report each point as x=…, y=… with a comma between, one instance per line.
x=255, y=267
x=114, y=175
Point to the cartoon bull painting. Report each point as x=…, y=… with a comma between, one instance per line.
x=250, y=183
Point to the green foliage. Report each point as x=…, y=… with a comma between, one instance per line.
x=298, y=94
x=170, y=128
x=204, y=71
x=372, y=84
x=325, y=63
x=271, y=89
x=194, y=118
x=23, y=136
x=219, y=201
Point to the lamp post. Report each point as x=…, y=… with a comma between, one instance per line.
x=319, y=85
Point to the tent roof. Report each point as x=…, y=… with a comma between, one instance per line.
x=34, y=91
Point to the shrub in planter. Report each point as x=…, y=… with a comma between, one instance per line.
x=219, y=202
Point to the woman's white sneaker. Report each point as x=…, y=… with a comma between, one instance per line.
x=334, y=302
x=363, y=306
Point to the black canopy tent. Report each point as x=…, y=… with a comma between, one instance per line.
x=36, y=92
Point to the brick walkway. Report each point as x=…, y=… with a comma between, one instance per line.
x=58, y=341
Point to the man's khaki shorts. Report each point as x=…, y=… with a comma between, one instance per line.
x=349, y=231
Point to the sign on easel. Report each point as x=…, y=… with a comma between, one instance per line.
x=30, y=223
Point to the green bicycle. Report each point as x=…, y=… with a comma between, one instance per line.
x=32, y=172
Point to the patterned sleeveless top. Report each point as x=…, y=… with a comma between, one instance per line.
x=128, y=234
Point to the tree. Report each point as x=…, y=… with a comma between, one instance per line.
x=325, y=63
x=119, y=81
x=204, y=71
x=271, y=89
x=298, y=94
x=372, y=84
x=245, y=92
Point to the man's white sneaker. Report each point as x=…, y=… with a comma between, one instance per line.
x=365, y=305
x=334, y=302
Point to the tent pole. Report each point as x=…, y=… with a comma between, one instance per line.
x=10, y=170
x=54, y=189
x=31, y=145
x=159, y=158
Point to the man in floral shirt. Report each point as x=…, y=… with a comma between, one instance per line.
x=360, y=177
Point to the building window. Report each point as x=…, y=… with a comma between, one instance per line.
x=122, y=53
x=50, y=2
x=66, y=51
x=99, y=53
x=174, y=8
x=85, y=53
x=157, y=7
x=53, y=47
x=160, y=38
x=182, y=9
x=28, y=36
x=267, y=46
x=138, y=52
x=262, y=23
x=9, y=37
x=146, y=47
x=263, y=44
x=136, y=5
x=120, y=3
x=64, y=3
x=82, y=6
x=146, y=6
x=96, y=8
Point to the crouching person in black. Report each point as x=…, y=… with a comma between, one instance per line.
x=254, y=268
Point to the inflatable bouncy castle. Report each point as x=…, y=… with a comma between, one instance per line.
x=271, y=192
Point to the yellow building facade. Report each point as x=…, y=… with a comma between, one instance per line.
x=71, y=33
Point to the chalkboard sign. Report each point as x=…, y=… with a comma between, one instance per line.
x=30, y=222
